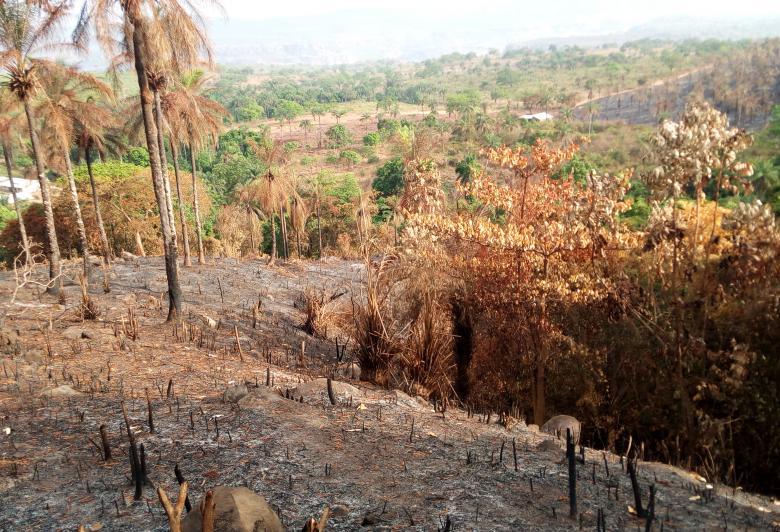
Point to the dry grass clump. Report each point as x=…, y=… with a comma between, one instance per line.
x=403, y=331
x=374, y=333
x=321, y=308
x=239, y=231
x=88, y=309
x=427, y=353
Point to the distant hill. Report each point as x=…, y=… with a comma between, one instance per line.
x=375, y=34
x=671, y=28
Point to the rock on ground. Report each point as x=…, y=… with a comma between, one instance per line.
x=63, y=390
x=75, y=332
x=260, y=396
x=318, y=388
x=236, y=510
x=235, y=392
x=557, y=426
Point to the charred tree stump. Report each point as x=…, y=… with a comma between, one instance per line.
x=572, y=459
x=149, y=409
x=105, y=443
x=331, y=396
x=640, y=511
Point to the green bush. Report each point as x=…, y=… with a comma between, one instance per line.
x=389, y=179
x=350, y=157
x=338, y=136
x=372, y=139
x=138, y=156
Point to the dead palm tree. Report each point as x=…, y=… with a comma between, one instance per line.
x=26, y=29
x=300, y=211
x=10, y=123
x=124, y=29
x=270, y=190
x=68, y=92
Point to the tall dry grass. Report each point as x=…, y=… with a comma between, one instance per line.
x=403, y=329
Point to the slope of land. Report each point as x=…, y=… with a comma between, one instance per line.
x=382, y=460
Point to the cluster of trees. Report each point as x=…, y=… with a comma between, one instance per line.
x=528, y=281
x=65, y=111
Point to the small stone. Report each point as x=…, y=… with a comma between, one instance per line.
x=318, y=389
x=63, y=390
x=339, y=510
x=36, y=355
x=126, y=255
x=76, y=333
x=235, y=392
x=350, y=371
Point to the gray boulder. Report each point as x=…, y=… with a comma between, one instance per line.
x=557, y=426
x=235, y=392
x=235, y=510
x=317, y=390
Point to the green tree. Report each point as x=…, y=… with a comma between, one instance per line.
x=137, y=155
x=338, y=136
x=467, y=168
x=389, y=179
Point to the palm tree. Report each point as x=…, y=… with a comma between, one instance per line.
x=95, y=130
x=269, y=192
x=9, y=123
x=593, y=109
x=306, y=126
x=27, y=28
x=199, y=121
x=67, y=91
x=366, y=118
x=299, y=216
x=178, y=25
x=316, y=112
x=171, y=114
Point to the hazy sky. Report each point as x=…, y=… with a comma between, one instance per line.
x=626, y=11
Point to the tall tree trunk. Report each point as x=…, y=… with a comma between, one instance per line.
x=74, y=197
x=22, y=228
x=150, y=129
x=196, y=208
x=139, y=245
x=51, y=232
x=177, y=175
x=539, y=405
x=319, y=230
x=160, y=122
x=96, y=204
x=283, y=222
x=273, y=237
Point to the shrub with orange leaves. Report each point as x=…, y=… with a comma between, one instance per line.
x=528, y=252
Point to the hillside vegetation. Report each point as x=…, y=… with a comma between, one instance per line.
x=614, y=258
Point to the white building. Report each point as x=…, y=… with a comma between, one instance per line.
x=26, y=189
x=538, y=117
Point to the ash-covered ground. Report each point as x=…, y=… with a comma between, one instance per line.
x=380, y=459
